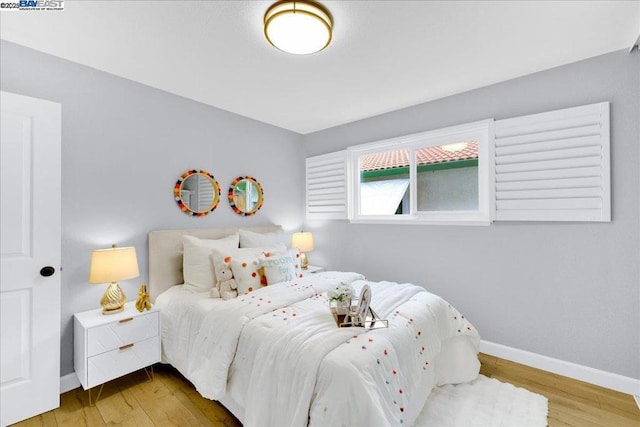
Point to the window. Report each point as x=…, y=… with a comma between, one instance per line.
x=437, y=177
x=384, y=183
x=552, y=166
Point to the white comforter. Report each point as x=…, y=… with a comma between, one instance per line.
x=287, y=363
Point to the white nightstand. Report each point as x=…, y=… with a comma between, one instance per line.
x=110, y=346
x=313, y=269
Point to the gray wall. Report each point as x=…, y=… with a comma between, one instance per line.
x=565, y=290
x=124, y=145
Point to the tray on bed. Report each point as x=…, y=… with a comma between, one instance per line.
x=371, y=321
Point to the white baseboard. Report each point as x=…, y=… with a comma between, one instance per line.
x=69, y=382
x=572, y=370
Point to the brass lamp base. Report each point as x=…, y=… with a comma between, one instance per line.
x=304, y=261
x=113, y=299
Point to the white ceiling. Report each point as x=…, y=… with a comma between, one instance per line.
x=385, y=55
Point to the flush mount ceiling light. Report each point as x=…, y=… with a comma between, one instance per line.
x=298, y=27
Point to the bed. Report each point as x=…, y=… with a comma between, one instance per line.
x=275, y=356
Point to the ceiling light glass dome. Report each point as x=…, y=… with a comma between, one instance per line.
x=298, y=27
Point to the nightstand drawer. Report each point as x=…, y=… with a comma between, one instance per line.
x=125, y=331
x=121, y=361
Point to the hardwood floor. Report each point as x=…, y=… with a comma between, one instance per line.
x=571, y=402
x=170, y=400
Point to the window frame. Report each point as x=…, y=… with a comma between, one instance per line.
x=482, y=131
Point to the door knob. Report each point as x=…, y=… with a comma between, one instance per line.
x=47, y=271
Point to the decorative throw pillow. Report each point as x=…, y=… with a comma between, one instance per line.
x=197, y=269
x=279, y=268
x=243, y=279
x=251, y=239
x=294, y=253
x=246, y=272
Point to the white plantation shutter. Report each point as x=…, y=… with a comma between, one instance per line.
x=206, y=194
x=554, y=166
x=326, y=186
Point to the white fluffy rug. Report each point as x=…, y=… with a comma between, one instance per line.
x=483, y=402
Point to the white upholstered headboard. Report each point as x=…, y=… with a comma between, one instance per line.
x=165, y=253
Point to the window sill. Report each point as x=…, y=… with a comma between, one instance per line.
x=413, y=220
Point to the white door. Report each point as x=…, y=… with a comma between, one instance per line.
x=30, y=257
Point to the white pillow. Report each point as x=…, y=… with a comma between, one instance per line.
x=247, y=274
x=251, y=239
x=245, y=265
x=279, y=268
x=197, y=268
x=294, y=253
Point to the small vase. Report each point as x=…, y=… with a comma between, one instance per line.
x=341, y=307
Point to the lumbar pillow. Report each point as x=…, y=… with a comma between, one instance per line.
x=279, y=268
x=197, y=269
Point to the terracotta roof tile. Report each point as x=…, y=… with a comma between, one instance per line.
x=425, y=156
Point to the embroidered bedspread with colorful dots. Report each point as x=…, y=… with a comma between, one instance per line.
x=287, y=363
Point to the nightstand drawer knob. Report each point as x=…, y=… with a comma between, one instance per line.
x=124, y=347
x=128, y=319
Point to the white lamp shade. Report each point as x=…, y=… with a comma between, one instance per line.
x=302, y=241
x=112, y=265
x=298, y=27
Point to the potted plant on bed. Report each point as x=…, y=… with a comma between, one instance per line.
x=340, y=299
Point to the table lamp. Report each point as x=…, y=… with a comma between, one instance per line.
x=110, y=266
x=304, y=242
